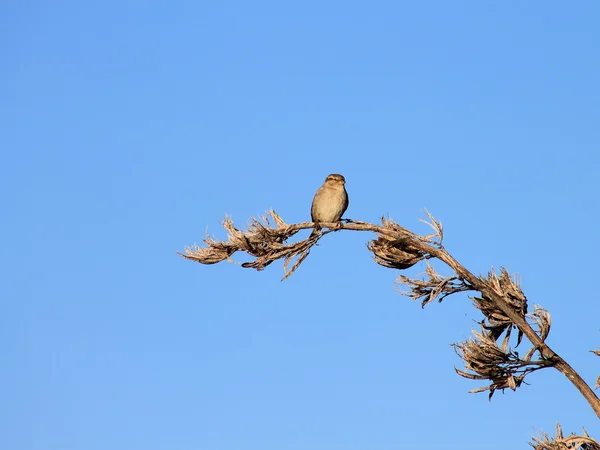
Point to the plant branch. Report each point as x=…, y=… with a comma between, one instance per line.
x=501, y=300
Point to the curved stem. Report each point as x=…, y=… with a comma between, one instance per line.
x=547, y=353
x=429, y=247
x=440, y=253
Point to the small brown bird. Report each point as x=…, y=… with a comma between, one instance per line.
x=330, y=202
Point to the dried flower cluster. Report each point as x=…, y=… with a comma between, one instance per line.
x=484, y=358
x=394, y=247
x=560, y=442
x=487, y=355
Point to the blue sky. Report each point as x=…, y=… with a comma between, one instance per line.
x=131, y=128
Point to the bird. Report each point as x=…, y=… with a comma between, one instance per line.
x=330, y=202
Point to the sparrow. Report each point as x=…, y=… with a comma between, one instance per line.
x=330, y=202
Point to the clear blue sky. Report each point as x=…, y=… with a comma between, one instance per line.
x=129, y=129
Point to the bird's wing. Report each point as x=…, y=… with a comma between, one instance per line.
x=313, y=207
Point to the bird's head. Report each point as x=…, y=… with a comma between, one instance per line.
x=335, y=179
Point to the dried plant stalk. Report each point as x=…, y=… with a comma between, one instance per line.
x=560, y=442
x=487, y=355
x=485, y=360
x=394, y=247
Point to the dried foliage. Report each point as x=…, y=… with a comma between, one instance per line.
x=560, y=442
x=395, y=247
x=484, y=357
x=487, y=355
x=265, y=242
x=496, y=321
x=485, y=360
x=433, y=287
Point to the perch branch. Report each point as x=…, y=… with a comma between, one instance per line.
x=500, y=299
